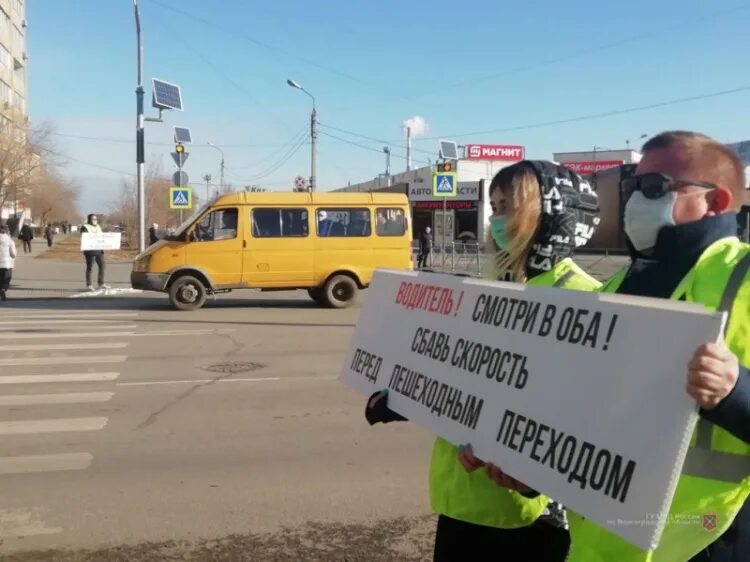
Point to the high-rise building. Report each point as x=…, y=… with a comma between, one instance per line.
x=13, y=58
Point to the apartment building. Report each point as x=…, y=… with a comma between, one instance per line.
x=13, y=58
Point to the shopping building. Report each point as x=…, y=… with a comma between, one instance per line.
x=466, y=215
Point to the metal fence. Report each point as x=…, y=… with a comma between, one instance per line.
x=469, y=259
x=457, y=257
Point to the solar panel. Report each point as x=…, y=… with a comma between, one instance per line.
x=166, y=95
x=448, y=150
x=182, y=135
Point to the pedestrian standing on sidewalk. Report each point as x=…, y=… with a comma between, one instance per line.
x=425, y=247
x=26, y=236
x=7, y=259
x=92, y=227
x=49, y=235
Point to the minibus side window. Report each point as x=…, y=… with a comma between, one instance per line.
x=390, y=222
x=337, y=222
x=277, y=223
x=217, y=225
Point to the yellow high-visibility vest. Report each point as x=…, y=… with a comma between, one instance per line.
x=472, y=496
x=715, y=479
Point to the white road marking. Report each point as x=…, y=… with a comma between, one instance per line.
x=74, y=335
x=24, y=522
x=196, y=381
x=63, y=360
x=61, y=332
x=59, y=398
x=63, y=346
x=26, y=427
x=68, y=377
x=71, y=316
x=65, y=335
x=48, y=322
x=45, y=463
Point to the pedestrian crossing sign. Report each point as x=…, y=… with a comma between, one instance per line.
x=444, y=184
x=180, y=198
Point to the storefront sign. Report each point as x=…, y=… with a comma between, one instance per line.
x=467, y=191
x=495, y=152
x=450, y=204
x=586, y=168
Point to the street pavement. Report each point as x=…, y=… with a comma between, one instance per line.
x=130, y=431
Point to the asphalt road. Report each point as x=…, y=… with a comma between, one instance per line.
x=133, y=432
x=130, y=431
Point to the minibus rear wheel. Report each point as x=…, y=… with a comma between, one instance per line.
x=187, y=293
x=340, y=291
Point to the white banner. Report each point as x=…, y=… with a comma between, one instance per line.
x=100, y=241
x=578, y=395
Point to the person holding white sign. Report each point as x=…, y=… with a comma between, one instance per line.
x=541, y=213
x=680, y=221
x=92, y=227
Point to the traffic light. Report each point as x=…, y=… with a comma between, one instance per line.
x=179, y=149
x=445, y=166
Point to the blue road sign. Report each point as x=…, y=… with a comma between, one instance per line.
x=444, y=184
x=180, y=198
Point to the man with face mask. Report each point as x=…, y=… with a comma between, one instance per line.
x=681, y=224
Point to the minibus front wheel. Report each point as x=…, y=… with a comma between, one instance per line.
x=340, y=291
x=187, y=293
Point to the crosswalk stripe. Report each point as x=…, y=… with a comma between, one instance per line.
x=68, y=377
x=63, y=346
x=63, y=360
x=65, y=335
x=73, y=316
x=45, y=463
x=24, y=522
x=197, y=381
x=61, y=321
x=105, y=334
x=59, y=398
x=26, y=427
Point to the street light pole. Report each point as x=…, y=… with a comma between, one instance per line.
x=207, y=179
x=627, y=142
x=140, y=137
x=221, y=173
x=313, y=133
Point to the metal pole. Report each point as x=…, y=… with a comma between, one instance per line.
x=221, y=179
x=313, y=140
x=207, y=177
x=445, y=207
x=408, y=148
x=140, y=136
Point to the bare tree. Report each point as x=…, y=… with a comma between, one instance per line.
x=52, y=198
x=20, y=159
x=125, y=210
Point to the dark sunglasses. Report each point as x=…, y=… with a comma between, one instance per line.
x=655, y=186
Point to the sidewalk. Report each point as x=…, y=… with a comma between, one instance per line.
x=44, y=278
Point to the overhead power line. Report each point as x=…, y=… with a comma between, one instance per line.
x=260, y=43
x=365, y=147
x=658, y=32
x=595, y=115
x=132, y=141
x=85, y=163
x=389, y=143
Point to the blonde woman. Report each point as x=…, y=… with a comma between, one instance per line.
x=540, y=213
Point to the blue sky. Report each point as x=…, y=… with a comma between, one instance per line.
x=466, y=67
